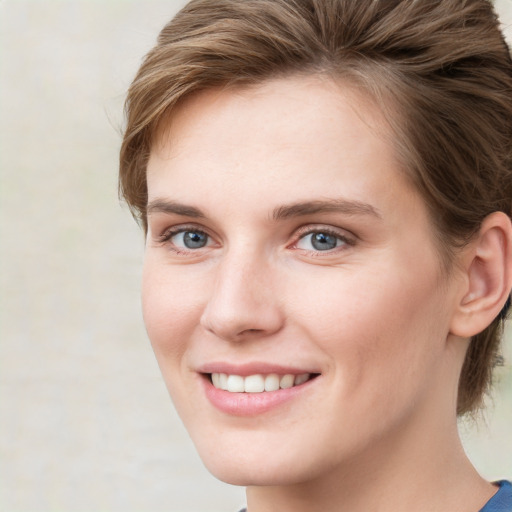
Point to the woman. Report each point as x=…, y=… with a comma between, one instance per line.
x=326, y=190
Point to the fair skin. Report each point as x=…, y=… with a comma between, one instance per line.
x=283, y=239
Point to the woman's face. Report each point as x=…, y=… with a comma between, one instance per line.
x=285, y=248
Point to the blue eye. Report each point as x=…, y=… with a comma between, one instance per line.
x=190, y=239
x=320, y=241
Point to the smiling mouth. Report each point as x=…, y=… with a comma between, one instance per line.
x=258, y=383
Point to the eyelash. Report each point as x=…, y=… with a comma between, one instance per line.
x=309, y=230
x=166, y=236
x=300, y=234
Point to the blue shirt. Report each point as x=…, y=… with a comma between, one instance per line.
x=500, y=502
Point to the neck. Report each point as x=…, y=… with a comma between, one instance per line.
x=404, y=473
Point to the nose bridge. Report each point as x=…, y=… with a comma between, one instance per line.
x=243, y=301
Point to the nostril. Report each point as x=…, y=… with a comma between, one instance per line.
x=235, y=319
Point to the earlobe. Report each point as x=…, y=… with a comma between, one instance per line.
x=488, y=280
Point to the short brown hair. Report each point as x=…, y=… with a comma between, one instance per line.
x=441, y=67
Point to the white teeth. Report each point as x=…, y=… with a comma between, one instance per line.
x=257, y=383
x=286, y=381
x=216, y=380
x=300, y=379
x=272, y=382
x=236, y=384
x=254, y=384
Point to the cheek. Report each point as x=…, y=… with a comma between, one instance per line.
x=377, y=329
x=171, y=307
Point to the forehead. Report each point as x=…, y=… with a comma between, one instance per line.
x=308, y=91
x=269, y=125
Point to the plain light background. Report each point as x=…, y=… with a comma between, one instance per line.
x=85, y=420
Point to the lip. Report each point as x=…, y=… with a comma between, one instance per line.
x=253, y=368
x=252, y=404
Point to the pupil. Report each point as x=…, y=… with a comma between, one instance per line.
x=323, y=241
x=194, y=240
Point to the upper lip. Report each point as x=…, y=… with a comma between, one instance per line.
x=252, y=368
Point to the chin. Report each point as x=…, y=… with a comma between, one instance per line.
x=260, y=460
x=236, y=472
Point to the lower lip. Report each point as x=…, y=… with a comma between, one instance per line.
x=251, y=404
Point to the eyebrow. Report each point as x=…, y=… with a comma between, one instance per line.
x=173, y=207
x=282, y=212
x=325, y=206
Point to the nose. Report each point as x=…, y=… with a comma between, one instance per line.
x=244, y=302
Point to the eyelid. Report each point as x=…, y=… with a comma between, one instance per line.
x=169, y=232
x=164, y=238
x=346, y=236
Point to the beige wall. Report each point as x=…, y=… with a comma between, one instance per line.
x=86, y=424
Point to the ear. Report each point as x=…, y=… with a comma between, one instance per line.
x=487, y=265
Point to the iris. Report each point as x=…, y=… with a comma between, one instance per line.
x=323, y=241
x=194, y=239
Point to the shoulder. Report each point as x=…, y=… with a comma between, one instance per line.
x=502, y=500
